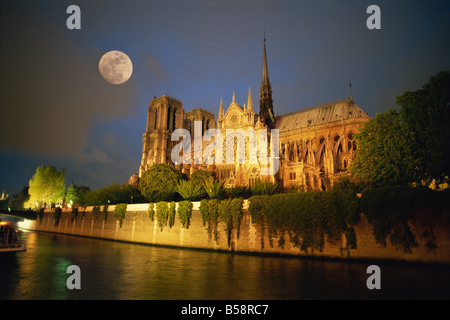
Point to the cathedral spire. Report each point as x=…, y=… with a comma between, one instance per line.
x=221, y=110
x=265, y=94
x=265, y=77
x=249, y=101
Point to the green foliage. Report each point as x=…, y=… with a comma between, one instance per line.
x=47, y=186
x=426, y=114
x=57, y=216
x=162, y=213
x=239, y=192
x=76, y=195
x=185, y=212
x=74, y=214
x=409, y=146
x=105, y=212
x=190, y=190
x=230, y=212
x=96, y=209
x=119, y=211
x=199, y=176
x=294, y=188
x=214, y=188
x=40, y=215
x=306, y=217
x=391, y=211
x=113, y=194
x=258, y=210
x=151, y=212
x=347, y=183
x=172, y=212
x=18, y=201
x=159, y=182
x=265, y=188
x=350, y=236
x=210, y=215
x=385, y=153
x=4, y=204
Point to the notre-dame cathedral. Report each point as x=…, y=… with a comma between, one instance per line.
x=316, y=145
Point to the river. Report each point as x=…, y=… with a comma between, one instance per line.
x=122, y=271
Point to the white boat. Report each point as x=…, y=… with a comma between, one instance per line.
x=9, y=238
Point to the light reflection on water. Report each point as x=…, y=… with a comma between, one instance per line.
x=114, y=270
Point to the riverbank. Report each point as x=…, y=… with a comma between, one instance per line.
x=139, y=227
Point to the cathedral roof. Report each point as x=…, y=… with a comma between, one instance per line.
x=322, y=114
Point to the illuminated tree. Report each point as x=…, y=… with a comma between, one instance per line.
x=159, y=183
x=47, y=186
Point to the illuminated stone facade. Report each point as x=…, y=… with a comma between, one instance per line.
x=316, y=145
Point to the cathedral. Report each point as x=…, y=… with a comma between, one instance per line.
x=314, y=147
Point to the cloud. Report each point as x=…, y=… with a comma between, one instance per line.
x=92, y=154
x=154, y=68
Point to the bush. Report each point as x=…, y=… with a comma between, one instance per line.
x=74, y=214
x=57, y=216
x=190, y=190
x=96, y=209
x=105, y=212
x=306, y=217
x=214, y=188
x=120, y=211
x=184, y=212
x=239, y=192
x=199, y=176
x=230, y=212
x=113, y=194
x=172, y=212
x=392, y=209
x=162, y=213
x=265, y=188
x=150, y=211
x=210, y=215
x=159, y=182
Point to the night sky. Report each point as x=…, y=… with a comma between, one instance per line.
x=56, y=109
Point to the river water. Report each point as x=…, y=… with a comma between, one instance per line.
x=114, y=270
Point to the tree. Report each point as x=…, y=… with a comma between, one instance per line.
x=47, y=186
x=113, y=194
x=426, y=114
x=73, y=195
x=158, y=183
x=199, y=176
x=18, y=201
x=385, y=152
x=76, y=195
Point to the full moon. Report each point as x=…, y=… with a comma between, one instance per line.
x=115, y=67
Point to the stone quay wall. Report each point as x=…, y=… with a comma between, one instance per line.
x=138, y=227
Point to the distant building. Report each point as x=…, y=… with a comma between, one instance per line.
x=316, y=145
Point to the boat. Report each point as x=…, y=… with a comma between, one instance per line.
x=9, y=238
